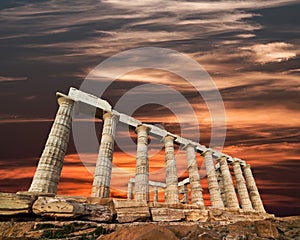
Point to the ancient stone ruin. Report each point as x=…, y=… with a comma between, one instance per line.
x=227, y=204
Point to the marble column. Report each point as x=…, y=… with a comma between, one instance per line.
x=185, y=196
x=221, y=185
x=129, y=190
x=155, y=194
x=49, y=168
x=241, y=186
x=142, y=166
x=102, y=175
x=196, y=188
x=213, y=186
x=172, y=193
x=254, y=194
x=231, y=197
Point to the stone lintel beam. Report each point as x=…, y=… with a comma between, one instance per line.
x=231, y=198
x=184, y=182
x=142, y=165
x=241, y=186
x=253, y=191
x=89, y=99
x=102, y=175
x=49, y=168
x=213, y=186
x=172, y=194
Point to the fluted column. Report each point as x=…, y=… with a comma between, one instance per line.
x=241, y=186
x=142, y=166
x=129, y=190
x=196, y=188
x=185, y=197
x=171, y=173
x=231, y=197
x=213, y=186
x=49, y=168
x=155, y=194
x=102, y=175
x=254, y=194
x=221, y=185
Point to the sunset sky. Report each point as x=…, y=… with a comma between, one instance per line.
x=251, y=49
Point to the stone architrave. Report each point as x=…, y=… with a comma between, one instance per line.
x=241, y=186
x=213, y=186
x=231, y=198
x=102, y=175
x=196, y=188
x=254, y=194
x=142, y=166
x=49, y=168
x=172, y=193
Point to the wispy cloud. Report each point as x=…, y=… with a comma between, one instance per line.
x=9, y=79
x=272, y=52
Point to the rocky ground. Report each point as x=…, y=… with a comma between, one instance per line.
x=31, y=216
x=278, y=228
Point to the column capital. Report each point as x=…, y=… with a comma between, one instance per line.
x=168, y=137
x=142, y=127
x=235, y=161
x=206, y=151
x=222, y=158
x=189, y=145
x=247, y=166
x=110, y=115
x=63, y=98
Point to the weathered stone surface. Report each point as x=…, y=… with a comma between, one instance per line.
x=167, y=214
x=196, y=188
x=147, y=232
x=102, y=175
x=195, y=215
x=11, y=204
x=213, y=186
x=266, y=230
x=70, y=208
x=48, y=171
x=142, y=166
x=120, y=203
x=171, y=191
x=130, y=211
x=132, y=214
x=288, y=228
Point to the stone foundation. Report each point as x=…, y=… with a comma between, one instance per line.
x=108, y=210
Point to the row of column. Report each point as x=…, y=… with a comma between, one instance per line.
x=220, y=184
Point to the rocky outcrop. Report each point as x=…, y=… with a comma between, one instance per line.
x=278, y=228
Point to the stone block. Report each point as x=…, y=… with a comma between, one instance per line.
x=167, y=214
x=68, y=207
x=12, y=204
x=119, y=203
x=133, y=214
x=195, y=215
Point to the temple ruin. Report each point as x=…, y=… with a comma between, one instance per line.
x=223, y=194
